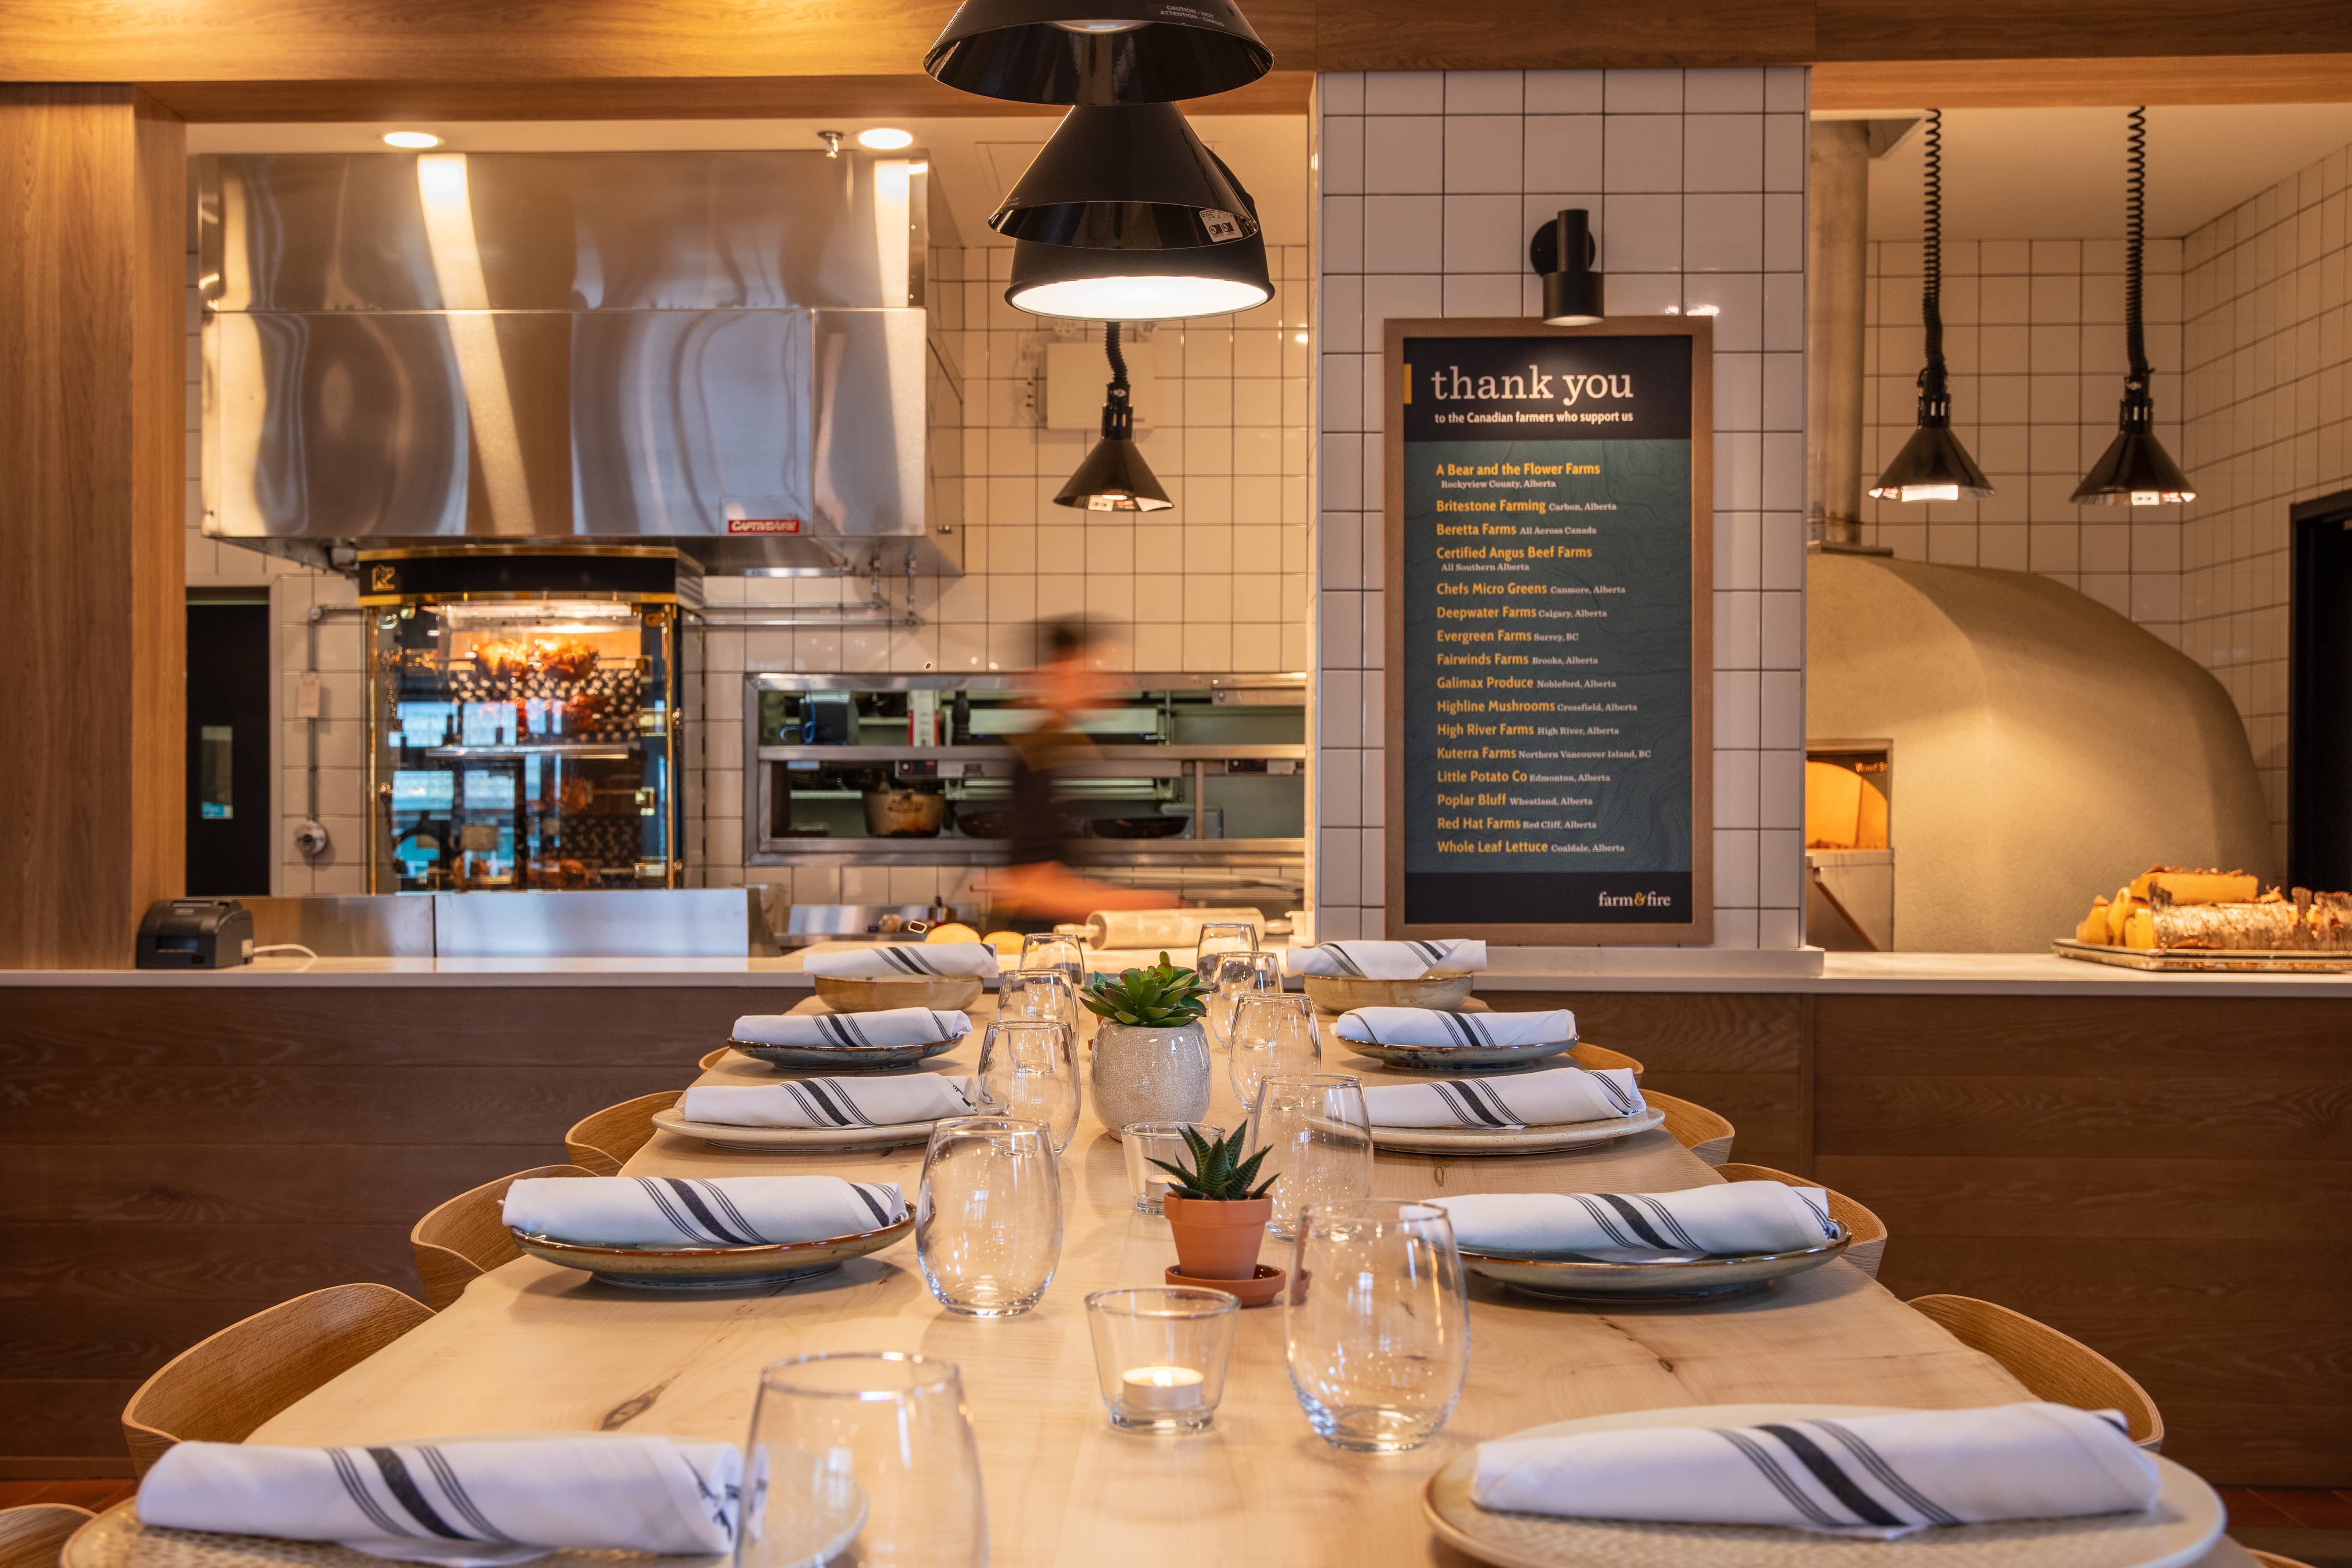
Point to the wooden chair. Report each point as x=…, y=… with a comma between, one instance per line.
x=34, y=1536
x=602, y=1143
x=464, y=1239
x=2060, y=1370
x=219, y=1390
x=2273, y=1559
x=1596, y=1057
x=1869, y=1244
x=1695, y=1127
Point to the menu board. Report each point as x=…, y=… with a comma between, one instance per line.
x=1549, y=504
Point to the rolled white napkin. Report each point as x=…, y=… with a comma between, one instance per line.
x=1536, y=1099
x=1385, y=960
x=1731, y=1218
x=916, y=961
x=891, y=1027
x=722, y=1210
x=831, y=1102
x=1877, y=1476
x=466, y=1503
x=1432, y=1029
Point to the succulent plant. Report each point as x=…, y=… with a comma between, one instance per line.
x=1161, y=997
x=1219, y=1174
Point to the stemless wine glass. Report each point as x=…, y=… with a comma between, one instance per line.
x=1376, y=1324
x=870, y=1447
x=988, y=1219
x=1319, y=1139
x=1029, y=1070
x=1221, y=937
x=1038, y=994
x=1238, y=974
x=1049, y=949
x=1273, y=1036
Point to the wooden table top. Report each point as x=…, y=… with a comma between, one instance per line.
x=530, y=1346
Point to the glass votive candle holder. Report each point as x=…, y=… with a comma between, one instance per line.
x=1145, y=1141
x=1160, y=1354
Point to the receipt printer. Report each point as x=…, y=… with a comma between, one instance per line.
x=195, y=933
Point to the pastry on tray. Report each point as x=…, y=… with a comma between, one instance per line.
x=2168, y=907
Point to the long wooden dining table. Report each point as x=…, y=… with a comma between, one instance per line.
x=533, y=1347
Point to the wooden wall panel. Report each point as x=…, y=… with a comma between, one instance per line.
x=2168, y=1180
x=2084, y=83
x=2036, y=29
x=93, y=410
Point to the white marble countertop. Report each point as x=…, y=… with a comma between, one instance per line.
x=1556, y=969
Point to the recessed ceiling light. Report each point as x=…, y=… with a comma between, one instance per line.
x=886, y=139
x=411, y=139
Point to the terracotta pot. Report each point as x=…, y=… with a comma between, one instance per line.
x=1217, y=1240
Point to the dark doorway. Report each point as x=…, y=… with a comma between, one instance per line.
x=2319, y=698
x=229, y=815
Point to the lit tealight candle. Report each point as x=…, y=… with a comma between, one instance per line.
x=1162, y=1389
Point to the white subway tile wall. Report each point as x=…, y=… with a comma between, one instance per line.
x=2033, y=332
x=1431, y=184
x=2268, y=301
x=1218, y=585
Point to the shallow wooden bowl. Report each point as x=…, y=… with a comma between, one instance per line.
x=1345, y=993
x=950, y=993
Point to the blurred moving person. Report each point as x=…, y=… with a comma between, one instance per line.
x=1038, y=883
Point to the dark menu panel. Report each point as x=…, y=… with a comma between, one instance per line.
x=1542, y=555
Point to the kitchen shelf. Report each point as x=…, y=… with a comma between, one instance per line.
x=583, y=749
x=798, y=851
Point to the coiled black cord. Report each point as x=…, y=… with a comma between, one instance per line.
x=2136, y=220
x=1932, y=384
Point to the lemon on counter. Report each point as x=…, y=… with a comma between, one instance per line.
x=954, y=930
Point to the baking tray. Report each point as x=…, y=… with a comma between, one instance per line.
x=2206, y=960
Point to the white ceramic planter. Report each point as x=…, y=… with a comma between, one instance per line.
x=1150, y=1074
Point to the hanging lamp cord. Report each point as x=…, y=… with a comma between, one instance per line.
x=1934, y=390
x=2138, y=406
x=1119, y=417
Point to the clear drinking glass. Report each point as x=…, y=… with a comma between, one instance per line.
x=1319, y=1139
x=1220, y=937
x=1273, y=1036
x=1376, y=1323
x=1144, y=1141
x=879, y=1437
x=1239, y=974
x=1049, y=949
x=1029, y=1070
x=988, y=1217
x=1038, y=994
x=1160, y=1354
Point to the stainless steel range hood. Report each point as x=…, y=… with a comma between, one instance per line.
x=725, y=352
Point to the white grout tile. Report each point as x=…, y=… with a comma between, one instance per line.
x=1562, y=151
x=1642, y=92
x=1641, y=153
x=1404, y=155
x=1482, y=153
x=1404, y=93
x=1564, y=91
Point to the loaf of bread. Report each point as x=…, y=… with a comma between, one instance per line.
x=2168, y=907
x=2184, y=886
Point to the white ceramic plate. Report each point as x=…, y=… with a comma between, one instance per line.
x=2182, y=1526
x=1539, y=1139
x=711, y=1268
x=1631, y=1275
x=794, y=1140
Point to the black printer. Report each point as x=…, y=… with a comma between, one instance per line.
x=195, y=933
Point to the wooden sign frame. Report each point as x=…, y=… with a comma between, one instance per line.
x=1698, y=928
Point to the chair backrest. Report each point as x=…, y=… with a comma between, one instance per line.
x=2060, y=1370
x=2273, y=1559
x=601, y=1143
x=464, y=1239
x=33, y=1536
x=1598, y=1058
x=1695, y=1127
x=219, y=1390
x=1868, y=1248
x=712, y=1058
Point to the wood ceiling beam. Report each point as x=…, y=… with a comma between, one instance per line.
x=2081, y=83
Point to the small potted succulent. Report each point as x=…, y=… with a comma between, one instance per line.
x=1151, y=1056
x=1218, y=1217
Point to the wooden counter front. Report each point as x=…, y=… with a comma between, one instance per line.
x=2167, y=1177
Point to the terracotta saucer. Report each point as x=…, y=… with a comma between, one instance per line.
x=1255, y=1291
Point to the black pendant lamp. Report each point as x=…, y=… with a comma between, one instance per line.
x=1115, y=478
x=2136, y=469
x=1097, y=51
x=1933, y=466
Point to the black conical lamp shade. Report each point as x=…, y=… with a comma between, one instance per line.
x=1933, y=466
x=1127, y=177
x=2134, y=469
x=1093, y=284
x=1097, y=51
x=1113, y=478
